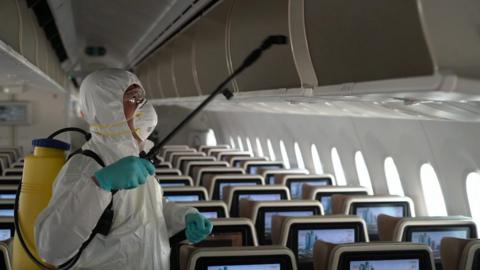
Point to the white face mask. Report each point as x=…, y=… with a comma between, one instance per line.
x=145, y=121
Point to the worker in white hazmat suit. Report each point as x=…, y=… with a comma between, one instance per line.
x=120, y=118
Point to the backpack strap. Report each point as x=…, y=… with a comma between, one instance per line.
x=105, y=222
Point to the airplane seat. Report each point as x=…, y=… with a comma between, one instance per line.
x=324, y=194
x=13, y=172
x=183, y=161
x=426, y=230
x=193, y=168
x=460, y=254
x=185, y=194
x=369, y=207
x=174, y=181
x=253, y=166
x=165, y=172
x=234, y=194
x=226, y=232
x=168, y=152
x=228, y=156
x=398, y=228
x=5, y=262
x=262, y=212
x=208, y=173
x=296, y=182
x=372, y=255
x=176, y=156
x=216, y=183
x=217, y=152
x=238, y=162
x=299, y=233
x=274, y=176
x=258, y=258
x=210, y=209
x=205, y=148
x=163, y=165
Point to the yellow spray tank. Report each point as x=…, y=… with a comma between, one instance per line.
x=39, y=172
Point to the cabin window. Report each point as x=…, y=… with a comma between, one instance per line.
x=299, y=156
x=240, y=143
x=362, y=172
x=473, y=186
x=394, y=184
x=249, y=145
x=283, y=151
x=232, y=143
x=338, y=168
x=211, y=138
x=271, y=153
x=259, y=147
x=317, y=163
x=432, y=191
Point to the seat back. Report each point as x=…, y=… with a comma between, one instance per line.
x=373, y=255
x=238, y=162
x=324, y=194
x=300, y=233
x=194, y=167
x=233, y=195
x=167, y=172
x=425, y=230
x=183, y=162
x=262, y=212
x=209, y=173
x=175, y=181
x=295, y=182
x=273, y=176
x=177, y=155
x=185, y=194
x=217, y=184
x=5, y=262
x=369, y=207
x=259, y=258
x=460, y=254
x=209, y=209
x=253, y=167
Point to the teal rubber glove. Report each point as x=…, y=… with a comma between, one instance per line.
x=127, y=173
x=197, y=227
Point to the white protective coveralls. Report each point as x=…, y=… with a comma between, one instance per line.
x=143, y=221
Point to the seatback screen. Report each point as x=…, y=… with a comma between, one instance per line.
x=172, y=184
x=371, y=212
x=253, y=169
x=260, y=197
x=5, y=234
x=223, y=184
x=275, y=266
x=296, y=185
x=6, y=212
x=213, y=214
x=223, y=239
x=433, y=237
x=306, y=239
x=268, y=216
x=406, y=264
x=8, y=196
x=182, y=198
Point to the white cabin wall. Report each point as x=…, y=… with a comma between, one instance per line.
x=451, y=147
x=48, y=113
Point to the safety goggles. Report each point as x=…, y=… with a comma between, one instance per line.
x=135, y=95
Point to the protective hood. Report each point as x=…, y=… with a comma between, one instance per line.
x=101, y=101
